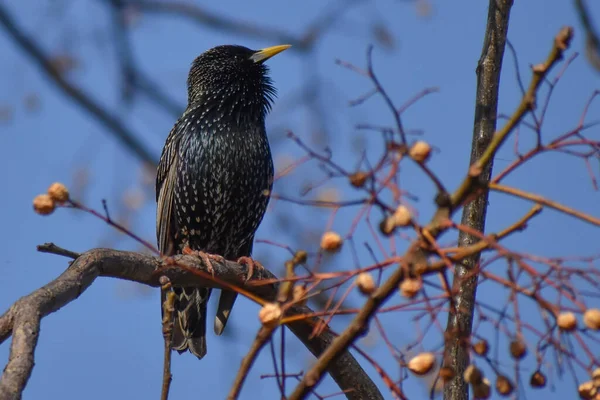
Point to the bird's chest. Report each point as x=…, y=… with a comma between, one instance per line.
x=221, y=184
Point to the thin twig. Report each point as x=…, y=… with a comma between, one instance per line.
x=51, y=248
x=167, y=323
x=547, y=202
x=262, y=337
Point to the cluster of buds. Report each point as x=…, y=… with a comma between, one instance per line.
x=45, y=204
x=591, y=389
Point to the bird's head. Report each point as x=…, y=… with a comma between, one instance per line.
x=233, y=80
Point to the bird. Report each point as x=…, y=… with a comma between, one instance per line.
x=215, y=176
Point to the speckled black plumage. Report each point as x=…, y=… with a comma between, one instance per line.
x=214, y=176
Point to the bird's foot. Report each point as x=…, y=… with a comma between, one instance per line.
x=250, y=264
x=205, y=257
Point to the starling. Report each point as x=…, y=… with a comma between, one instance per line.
x=215, y=175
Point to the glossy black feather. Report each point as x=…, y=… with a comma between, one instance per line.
x=215, y=176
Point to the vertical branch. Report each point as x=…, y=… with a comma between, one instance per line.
x=460, y=319
x=168, y=318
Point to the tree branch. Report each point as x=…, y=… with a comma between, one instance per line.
x=79, y=96
x=414, y=260
x=209, y=19
x=464, y=286
x=22, y=319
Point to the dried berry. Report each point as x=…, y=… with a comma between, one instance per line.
x=587, y=390
x=331, y=241
x=482, y=390
x=358, y=179
x=365, y=283
x=504, y=386
x=421, y=363
x=473, y=375
x=481, y=347
x=269, y=314
x=591, y=318
x=537, y=380
x=410, y=287
x=420, y=151
x=566, y=321
x=58, y=192
x=43, y=204
x=518, y=349
x=401, y=216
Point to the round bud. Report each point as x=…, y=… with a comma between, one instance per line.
x=504, y=386
x=537, y=380
x=472, y=375
x=300, y=257
x=402, y=216
x=587, y=390
x=331, y=241
x=566, y=321
x=43, y=204
x=365, y=283
x=421, y=363
x=58, y=192
x=591, y=318
x=481, y=348
x=269, y=314
x=596, y=377
x=482, y=390
x=388, y=225
x=518, y=349
x=420, y=151
x=358, y=179
x=410, y=287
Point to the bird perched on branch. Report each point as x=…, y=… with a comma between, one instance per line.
x=215, y=176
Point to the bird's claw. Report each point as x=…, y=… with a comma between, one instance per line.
x=250, y=264
x=205, y=257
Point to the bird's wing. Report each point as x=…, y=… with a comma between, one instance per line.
x=166, y=179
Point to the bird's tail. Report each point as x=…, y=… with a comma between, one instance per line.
x=189, y=327
x=226, y=302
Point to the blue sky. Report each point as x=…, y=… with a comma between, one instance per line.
x=108, y=343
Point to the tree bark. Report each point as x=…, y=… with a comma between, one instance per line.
x=22, y=319
x=464, y=287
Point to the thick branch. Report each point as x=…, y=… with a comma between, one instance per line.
x=464, y=287
x=22, y=320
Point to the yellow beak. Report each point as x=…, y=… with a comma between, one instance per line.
x=264, y=54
